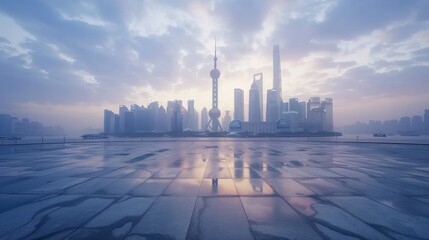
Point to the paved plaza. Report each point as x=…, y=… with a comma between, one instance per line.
x=214, y=189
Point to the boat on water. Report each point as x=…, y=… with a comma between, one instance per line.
x=94, y=136
x=379, y=135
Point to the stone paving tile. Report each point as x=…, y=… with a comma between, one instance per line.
x=289, y=187
x=152, y=187
x=214, y=189
x=272, y=217
x=183, y=187
x=168, y=218
x=219, y=218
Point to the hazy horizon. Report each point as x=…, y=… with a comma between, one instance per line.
x=64, y=62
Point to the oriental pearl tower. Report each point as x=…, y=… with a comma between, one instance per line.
x=214, y=113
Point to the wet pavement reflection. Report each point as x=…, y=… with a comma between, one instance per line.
x=215, y=189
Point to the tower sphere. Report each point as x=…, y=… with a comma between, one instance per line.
x=214, y=113
x=215, y=73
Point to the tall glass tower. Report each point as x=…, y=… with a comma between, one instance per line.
x=277, y=71
x=238, y=104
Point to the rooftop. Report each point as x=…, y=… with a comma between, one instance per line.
x=214, y=189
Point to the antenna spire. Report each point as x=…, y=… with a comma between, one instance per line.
x=215, y=57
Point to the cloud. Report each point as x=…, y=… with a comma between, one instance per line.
x=364, y=82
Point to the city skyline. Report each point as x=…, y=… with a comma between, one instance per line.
x=64, y=63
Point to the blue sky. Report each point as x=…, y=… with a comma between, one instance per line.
x=63, y=62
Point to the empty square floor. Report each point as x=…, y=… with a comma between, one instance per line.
x=214, y=189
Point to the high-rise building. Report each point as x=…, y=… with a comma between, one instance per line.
x=390, y=126
x=122, y=110
x=426, y=120
x=161, y=120
x=277, y=72
x=177, y=118
x=404, y=124
x=258, y=78
x=417, y=124
x=153, y=116
x=302, y=112
x=327, y=105
x=313, y=102
x=226, y=121
x=214, y=113
x=5, y=124
x=238, y=104
x=191, y=119
x=129, y=122
x=204, y=119
x=273, y=106
x=109, y=122
x=317, y=119
x=254, y=105
x=293, y=104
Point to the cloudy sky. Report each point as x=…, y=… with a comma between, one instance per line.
x=63, y=62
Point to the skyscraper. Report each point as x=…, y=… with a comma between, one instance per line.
x=273, y=106
x=191, y=120
x=109, y=122
x=226, y=121
x=214, y=113
x=177, y=118
x=426, y=120
x=204, y=119
x=258, y=78
x=302, y=112
x=329, y=109
x=293, y=104
x=277, y=78
x=5, y=124
x=254, y=105
x=122, y=110
x=238, y=104
x=313, y=102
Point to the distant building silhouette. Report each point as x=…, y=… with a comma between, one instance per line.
x=293, y=104
x=122, y=110
x=5, y=124
x=177, y=118
x=273, y=106
x=327, y=105
x=191, y=119
x=204, y=119
x=417, y=124
x=404, y=124
x=426, y=120
x=277, y=74
x=302, y=112
x=226, y=121
x=109, y=122
x=258, y=78
x=313, y=102
x=254, y=104
x=12, y=126
x=238, y=104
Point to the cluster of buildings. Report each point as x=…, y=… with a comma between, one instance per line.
x=152, y=119
x=292, y=116
x=13, y=126
x=415, y=125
